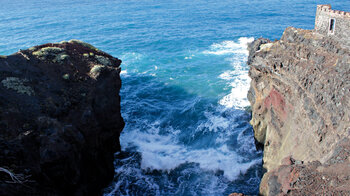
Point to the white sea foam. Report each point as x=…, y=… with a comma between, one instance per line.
x=246, y=143
x=129, y=169
x=237, y=76
x=230, y=47
x=123, y=72
x=238, y=95
x=214, y=123
x=164, y=152
x=162, y=148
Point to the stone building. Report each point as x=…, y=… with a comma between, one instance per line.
x=333, y=23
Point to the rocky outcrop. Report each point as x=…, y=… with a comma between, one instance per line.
x=59, y=119
x=300, y=98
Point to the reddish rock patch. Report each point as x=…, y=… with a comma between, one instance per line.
x=276, y=100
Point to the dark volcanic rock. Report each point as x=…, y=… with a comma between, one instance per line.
x=59, y=120
x=300, y=97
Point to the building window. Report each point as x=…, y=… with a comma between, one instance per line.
x=331, y=25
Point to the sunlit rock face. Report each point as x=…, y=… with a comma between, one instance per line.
x=300, y=102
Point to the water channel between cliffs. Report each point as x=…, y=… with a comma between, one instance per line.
x=184, y=77
x=182, y=138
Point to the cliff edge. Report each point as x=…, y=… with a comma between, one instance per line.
x=59, y=119
x=300, y=98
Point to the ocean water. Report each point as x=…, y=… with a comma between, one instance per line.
x=184, y=78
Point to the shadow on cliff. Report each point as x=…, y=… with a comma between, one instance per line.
x=59, y=119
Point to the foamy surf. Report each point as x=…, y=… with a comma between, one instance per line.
x=165, y=152
x=238, y=95
x=230, y=47
x=178, y=139
x=238, y=76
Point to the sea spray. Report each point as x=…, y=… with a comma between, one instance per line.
x=190, y=97
x=175, y=140
x=238, y=75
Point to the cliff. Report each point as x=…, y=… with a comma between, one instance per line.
x=59, y=119
x=300, y=99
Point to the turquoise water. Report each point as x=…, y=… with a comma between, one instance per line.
x=184, y=81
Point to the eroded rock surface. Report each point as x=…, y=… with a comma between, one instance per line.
x=300, y=98
x=59, y=120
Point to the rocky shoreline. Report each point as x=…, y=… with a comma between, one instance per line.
x=300, y=102
x=60, y=119
x=60, y=116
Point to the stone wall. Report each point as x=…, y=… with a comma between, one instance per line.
x=341, y=29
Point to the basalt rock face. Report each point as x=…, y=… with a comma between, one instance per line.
x=60, y=120
x=300, y=98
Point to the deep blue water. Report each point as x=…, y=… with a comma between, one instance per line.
x=184, y=81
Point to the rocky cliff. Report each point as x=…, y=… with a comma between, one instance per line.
x=300, y=98
x=59, y=119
